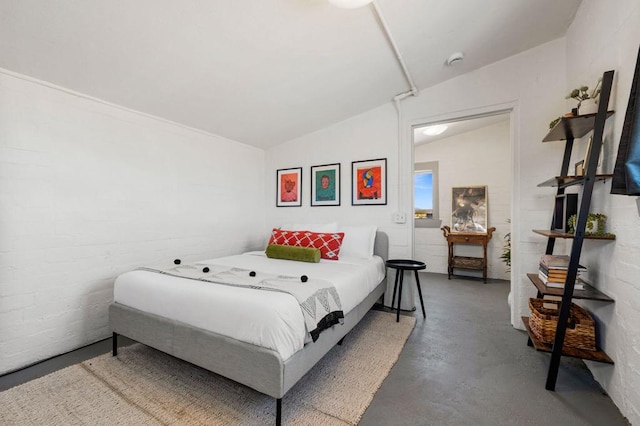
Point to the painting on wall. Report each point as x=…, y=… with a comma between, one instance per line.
x=469, y=209
x=369, y=182
x=289, y=186
x=325, y=185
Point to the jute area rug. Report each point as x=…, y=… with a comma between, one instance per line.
x=142, y=386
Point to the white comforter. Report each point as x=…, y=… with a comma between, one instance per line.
x=269, y=319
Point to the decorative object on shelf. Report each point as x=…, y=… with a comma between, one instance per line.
x=325, y=185
x=566, y=205
x=580, y=333
x=554, y=269
x=579, y=168
x=554, y=122
x=369, y=182
x=588, y=153
x=469, y=209
x=582, y=94
x=289, y=183
x=506, y=250
x=594, y=227
x=626, y=173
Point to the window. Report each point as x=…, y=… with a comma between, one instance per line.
x=425, y=195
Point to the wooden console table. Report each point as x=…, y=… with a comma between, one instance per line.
x=466, y=262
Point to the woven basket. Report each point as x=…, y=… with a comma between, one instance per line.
x=581, y=331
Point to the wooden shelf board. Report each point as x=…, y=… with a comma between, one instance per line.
x=598, y=355
x=566, y=181
x=556, y=234
x=572, y=127
x=588, y=293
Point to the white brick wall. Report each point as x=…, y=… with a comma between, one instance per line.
x=370, y=135
x=89, y=190
x=605, y=36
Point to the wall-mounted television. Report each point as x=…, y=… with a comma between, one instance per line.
x=566, y=206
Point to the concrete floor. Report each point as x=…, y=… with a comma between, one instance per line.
x=466, y=365
x=463, y=365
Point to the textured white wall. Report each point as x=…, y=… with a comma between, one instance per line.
x=364, y=137
x=606, y=36
x=531, y=84
x=368, y=136
x=480, y=157
x=88, y=191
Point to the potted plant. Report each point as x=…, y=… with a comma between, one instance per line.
x=506, y=250
x=582, y=94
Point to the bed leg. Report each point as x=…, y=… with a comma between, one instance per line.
x=278, y=411
x=340, y=341
x=114, y=348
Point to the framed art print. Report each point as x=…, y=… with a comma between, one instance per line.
x=589, y=153
x=469, y=209
x=325, y=185
x=369, y=182
x=289, y=184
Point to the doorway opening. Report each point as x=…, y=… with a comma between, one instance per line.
x=470, y=151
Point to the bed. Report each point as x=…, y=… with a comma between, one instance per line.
x=262, y=363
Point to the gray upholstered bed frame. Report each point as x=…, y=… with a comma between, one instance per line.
x=254, y=366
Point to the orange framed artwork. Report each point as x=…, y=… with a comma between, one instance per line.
x=289, y=184
x=369, y=182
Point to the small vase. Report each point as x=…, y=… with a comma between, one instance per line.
x=588, y=106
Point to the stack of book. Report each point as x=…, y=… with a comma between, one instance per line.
x=553, y=271
x=551, y=302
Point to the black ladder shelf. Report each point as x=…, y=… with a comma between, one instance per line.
x=568, y=129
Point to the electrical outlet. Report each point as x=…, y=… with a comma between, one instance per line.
x=399, y=217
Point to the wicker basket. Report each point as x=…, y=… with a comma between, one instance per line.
x=581, y=332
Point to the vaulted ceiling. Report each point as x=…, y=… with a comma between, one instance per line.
x=262, y=72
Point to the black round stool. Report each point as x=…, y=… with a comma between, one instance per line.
x=401, y=265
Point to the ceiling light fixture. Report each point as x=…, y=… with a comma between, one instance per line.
x=350, y=4
x=454, y=58
x=435, y=130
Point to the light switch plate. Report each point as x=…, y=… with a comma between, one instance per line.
x=399, y=217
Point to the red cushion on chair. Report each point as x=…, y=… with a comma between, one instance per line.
x=328, y=243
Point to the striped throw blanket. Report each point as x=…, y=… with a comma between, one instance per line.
x=318, y=299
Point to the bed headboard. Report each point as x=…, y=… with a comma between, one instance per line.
x=381, y=245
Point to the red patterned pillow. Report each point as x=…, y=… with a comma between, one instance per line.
x=286, y=238
x=328, y=243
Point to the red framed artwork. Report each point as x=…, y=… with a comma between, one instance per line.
x=369, y=182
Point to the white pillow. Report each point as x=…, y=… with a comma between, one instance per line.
x=313, y=227
x=358, y=241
